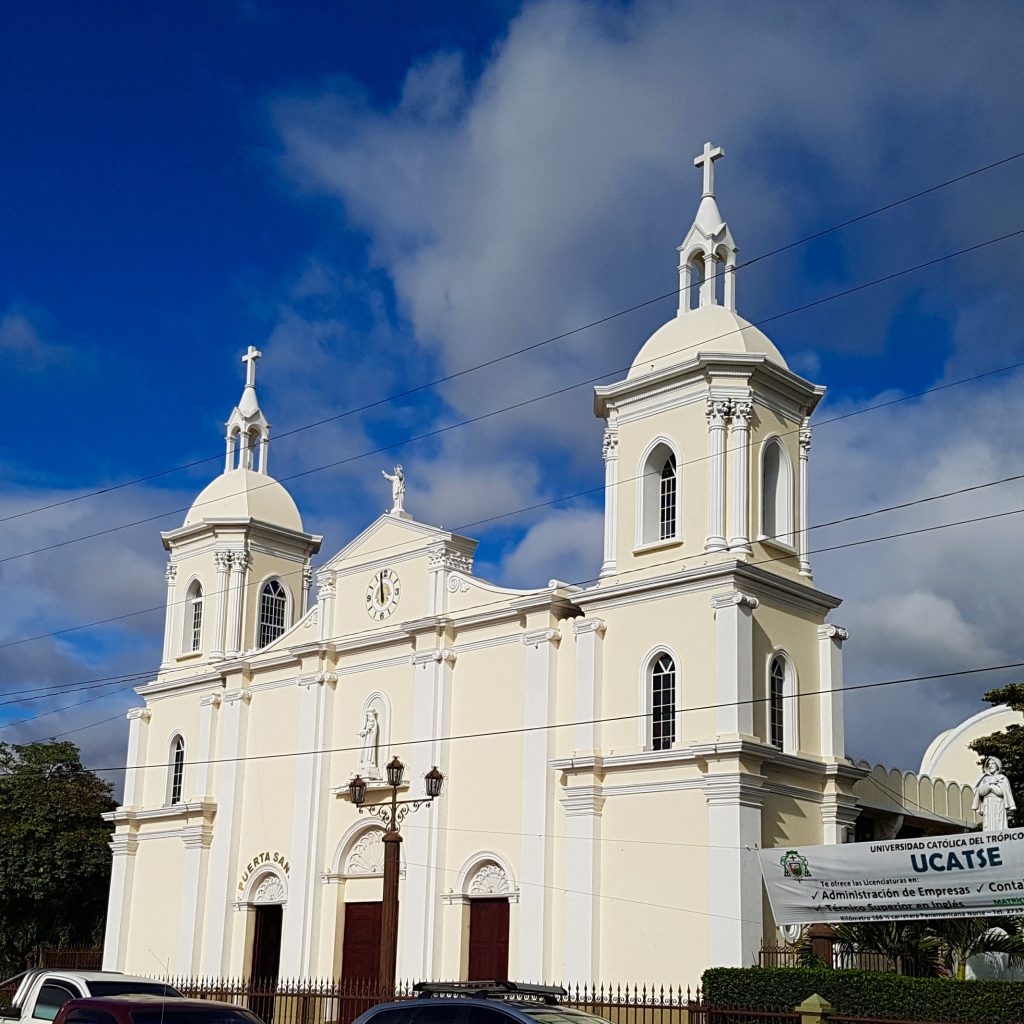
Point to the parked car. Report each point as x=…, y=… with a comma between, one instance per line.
x=42, y=992
x=480, y=1002
x=152, y=1009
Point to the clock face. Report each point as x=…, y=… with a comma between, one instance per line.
x=382, y=594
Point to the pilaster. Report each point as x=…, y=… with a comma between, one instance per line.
x=540, y=656
x=240, y=562
x=299, y=952
x=326, y=584
x=138, y=750
x=122, y=875
x=583, y=806
x=830, y=679
x=734, y=800
x=589, y=634
x=717, y=413
x=222, y=561
x=208, y=707
x=739, y=459
x=803, y=526
x=734, y=654
x=224, y=847
x=610, y=453
x=170, y=576
x=419, y=949
x=193, y=896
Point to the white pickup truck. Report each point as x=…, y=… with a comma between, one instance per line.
x=43, y=991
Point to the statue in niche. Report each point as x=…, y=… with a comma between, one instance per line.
x=993, y=797
x=397, y=488
x=369, y=751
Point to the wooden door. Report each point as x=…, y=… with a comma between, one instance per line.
x=266, y=960
x=488, y=940
x=360, y=950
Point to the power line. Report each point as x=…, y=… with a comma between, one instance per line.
x=624, y=572
x=516, y=405
x=526, y=348
x=550, y=726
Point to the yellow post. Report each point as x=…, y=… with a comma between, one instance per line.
x=814, y=1010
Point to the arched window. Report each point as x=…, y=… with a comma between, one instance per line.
x=193, y=639
x=663, y=702
x=273, y=603
x=776, y=493
x=776, y=694
x=659, y=496
x=696, y=279
x=782, y=705
x=177, y=777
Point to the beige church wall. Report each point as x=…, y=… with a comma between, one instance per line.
x=686, y=428
x=790, y=820
x=654, y=906
x=794, y=633
x=681, y=624
x=153, y=923
x=170, y=716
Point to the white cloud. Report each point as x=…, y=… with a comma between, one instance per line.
x=22, y=343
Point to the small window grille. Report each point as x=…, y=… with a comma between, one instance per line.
x=776, y=685
x=663, y=703
x=667, y=516
x=177, y=770
x=197, y=622
x=273, y=601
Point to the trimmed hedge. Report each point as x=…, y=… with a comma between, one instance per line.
x=866, y=994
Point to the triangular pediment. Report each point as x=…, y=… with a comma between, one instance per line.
x=390, y=534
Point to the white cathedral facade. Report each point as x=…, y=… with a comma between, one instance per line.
x=614, y=753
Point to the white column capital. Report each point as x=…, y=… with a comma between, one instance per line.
x=536, y=637
x=139, y=715
x=717, y=412
x=830, y=631
x=222, y=561
x=805, y=441
x=610, y=444
x=171, y=572
x=233, y=697
x=734, y=788
x=325, y=583
x=582, y=800
x=198, y=837
x=582, y=626
x=211, y=700
x=734, y=599
x=435, y=656
x=319, y=679
x=240, y=559
x=742, y=413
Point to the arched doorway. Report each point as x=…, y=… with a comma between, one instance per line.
x=267, y=902
x=488, y=889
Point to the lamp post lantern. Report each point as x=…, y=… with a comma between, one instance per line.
x=392, y=814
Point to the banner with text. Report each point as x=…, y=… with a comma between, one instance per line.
x=977, y=874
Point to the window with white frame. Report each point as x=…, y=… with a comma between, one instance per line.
x=177, y=778
x=659, y=496
x=776, y=492
x=273, y=607
x=193, y=639
x=663, y=702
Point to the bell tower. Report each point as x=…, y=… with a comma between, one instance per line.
x=707, y=438
x=239, y=568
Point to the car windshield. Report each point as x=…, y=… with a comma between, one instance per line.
x=193, y=1015
x=132, y=988
x=558, y=1015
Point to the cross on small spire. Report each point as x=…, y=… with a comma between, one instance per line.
x=249, y=359
x=707, y=161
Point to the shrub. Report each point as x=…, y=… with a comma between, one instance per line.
x=866, y=994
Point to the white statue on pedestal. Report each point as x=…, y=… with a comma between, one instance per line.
x=397, y=488
x=993, y=797
x=368, y=753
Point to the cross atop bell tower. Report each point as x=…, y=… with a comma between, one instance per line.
x=707, y=161
x=249, y=359
x=707, y=257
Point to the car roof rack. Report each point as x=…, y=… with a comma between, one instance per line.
x=490, y=990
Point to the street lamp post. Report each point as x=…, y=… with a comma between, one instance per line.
x=392, y=814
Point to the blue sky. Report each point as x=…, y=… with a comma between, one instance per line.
x=377, y=195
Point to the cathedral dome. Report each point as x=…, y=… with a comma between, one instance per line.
x=707, y=329
x=245, y=494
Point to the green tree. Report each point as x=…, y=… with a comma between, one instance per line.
x=54, y=850
x=1008, y=746
x=961, y=938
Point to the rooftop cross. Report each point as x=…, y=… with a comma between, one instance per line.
x=707, y=161
x=249, y=359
